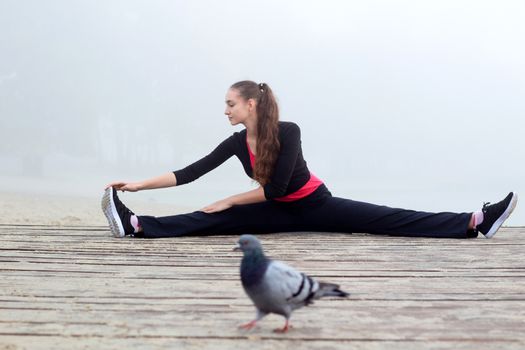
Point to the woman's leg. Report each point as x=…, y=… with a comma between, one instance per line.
x=265, y=217
x=345, y=215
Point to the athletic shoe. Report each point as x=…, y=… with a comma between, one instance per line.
x=117, y=213
x=494, y=215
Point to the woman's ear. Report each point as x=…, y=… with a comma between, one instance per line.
x=252, y=104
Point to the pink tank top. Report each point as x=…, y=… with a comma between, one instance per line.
x=304, y=191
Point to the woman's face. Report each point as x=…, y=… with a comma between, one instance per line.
x=238, y=109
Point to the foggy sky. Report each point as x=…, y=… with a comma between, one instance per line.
x=416, y=104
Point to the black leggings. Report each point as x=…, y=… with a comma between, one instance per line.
x=317, y=212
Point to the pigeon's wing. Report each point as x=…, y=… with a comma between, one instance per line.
x=288, y=285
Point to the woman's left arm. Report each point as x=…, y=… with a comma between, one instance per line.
x=253, y=196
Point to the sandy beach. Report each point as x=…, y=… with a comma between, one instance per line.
x=61, y=210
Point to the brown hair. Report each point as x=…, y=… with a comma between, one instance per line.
x=268, y=145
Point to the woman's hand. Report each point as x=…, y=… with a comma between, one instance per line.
x=165, y=180
x=253, y=196
x=218, y=206
x=124, y=186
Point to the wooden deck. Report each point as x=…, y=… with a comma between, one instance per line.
x=75, y=287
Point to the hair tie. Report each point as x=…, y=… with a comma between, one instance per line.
x=261, y=87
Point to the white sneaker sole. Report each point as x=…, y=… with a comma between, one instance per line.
x=110, y=211
x=497, y=224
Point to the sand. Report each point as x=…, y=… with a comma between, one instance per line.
x=59, y=210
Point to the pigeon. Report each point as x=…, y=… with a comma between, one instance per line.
x=275, y=287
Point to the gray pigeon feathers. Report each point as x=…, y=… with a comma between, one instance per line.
x=275, y=287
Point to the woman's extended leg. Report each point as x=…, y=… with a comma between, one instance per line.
x=262, y=217
x=265, y=217
x=251, y=218
x=345, y=215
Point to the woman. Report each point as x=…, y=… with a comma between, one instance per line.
x=289, y=197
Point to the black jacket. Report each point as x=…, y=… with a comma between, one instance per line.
x=290, y=174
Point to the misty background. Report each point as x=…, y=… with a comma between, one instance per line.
x=416, y=104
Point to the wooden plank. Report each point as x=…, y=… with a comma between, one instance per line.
x=70, y=287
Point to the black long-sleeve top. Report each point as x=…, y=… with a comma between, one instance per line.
x=290, y=173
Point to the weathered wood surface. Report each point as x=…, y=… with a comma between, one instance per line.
x=76, y=287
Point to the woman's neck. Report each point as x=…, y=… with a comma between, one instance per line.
x=251, y=128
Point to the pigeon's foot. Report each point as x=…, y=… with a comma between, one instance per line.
x=248, y=325
x=285, y=329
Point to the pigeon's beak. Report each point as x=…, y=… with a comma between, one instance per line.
x=237, y=247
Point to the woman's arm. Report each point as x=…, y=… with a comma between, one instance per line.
x=219, y=155
x=253, y=196
x=165, y=180
x=180, y=177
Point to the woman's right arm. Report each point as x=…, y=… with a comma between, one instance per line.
x=162, y=181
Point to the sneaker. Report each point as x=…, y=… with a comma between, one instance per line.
x=495, y=214
x=117, y=213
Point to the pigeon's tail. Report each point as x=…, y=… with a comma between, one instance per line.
x=331, y=290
